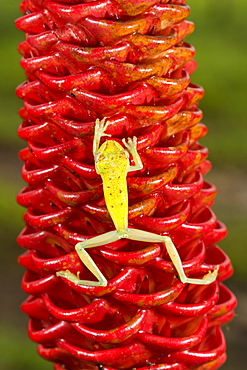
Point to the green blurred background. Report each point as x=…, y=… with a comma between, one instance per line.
x=220, y=41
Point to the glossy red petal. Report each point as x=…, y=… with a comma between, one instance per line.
x=125, y=60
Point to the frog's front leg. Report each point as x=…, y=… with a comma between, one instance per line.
x=99, y=131
x=131, y=146
x=145, y=236
x=98, y=240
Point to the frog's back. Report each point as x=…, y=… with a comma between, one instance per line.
x=112, y=163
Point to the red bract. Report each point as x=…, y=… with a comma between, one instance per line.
x=125, y=60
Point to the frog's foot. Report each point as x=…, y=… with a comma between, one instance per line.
x=99, y=130
x=100, y=127
x=75, y=279
x=209, y=278
x=131, y=144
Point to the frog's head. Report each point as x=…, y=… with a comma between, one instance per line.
x=111, y=157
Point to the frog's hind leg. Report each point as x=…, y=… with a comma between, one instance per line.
x=98, y=240
x=145, y=236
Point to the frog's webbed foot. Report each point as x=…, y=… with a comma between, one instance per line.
x=131, y=146
x=76, y=280
x=99, y=131
x=209, y=278
x=101, y=126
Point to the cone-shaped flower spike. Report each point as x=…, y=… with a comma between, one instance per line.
x=127, y=61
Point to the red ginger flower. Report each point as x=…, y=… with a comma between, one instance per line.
x=125, y=60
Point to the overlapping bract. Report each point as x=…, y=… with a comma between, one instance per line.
x=125, y=60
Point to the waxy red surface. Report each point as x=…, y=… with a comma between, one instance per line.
x=126, y=60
